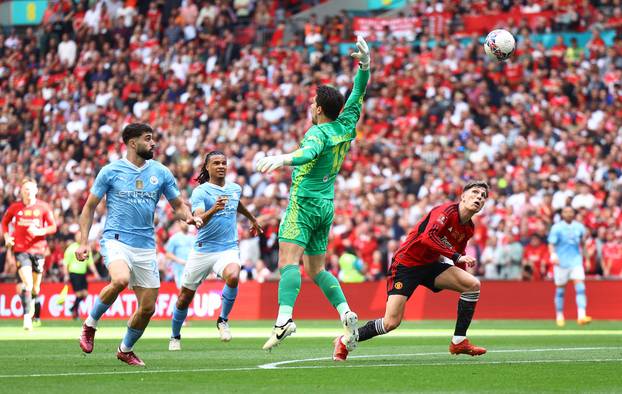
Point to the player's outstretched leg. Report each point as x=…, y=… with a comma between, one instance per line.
x=179, y=316
x=456, y=279
x=87, y=336
x=559, y=306
x=332, y=290
x=466, y=308
x=289, y=287
x=136, y=326
x=119, y=279
x=581, y=299
x=229, y=293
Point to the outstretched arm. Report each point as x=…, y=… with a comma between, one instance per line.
x=352, y=110
x=256, y=228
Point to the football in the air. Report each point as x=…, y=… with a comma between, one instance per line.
x=499, y=45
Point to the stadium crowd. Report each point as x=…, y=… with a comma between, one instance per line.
x=544, y=129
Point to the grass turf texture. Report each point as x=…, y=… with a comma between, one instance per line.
x=523, y=356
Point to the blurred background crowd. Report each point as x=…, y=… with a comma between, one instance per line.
x=544, y=129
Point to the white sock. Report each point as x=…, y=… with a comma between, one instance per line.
x=457, y=339
x=560, y=316
x=282, y=319
x=342, y=309
x=91, y=322
x=285, y=313
x=581, y=313
x=124, y=348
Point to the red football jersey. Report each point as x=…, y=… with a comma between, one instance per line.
x=438, y=234
x=38, y=214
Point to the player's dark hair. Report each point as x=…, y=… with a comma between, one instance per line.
x=134, y=130
x=331, y=101
x=204, y=174
x=472, y=184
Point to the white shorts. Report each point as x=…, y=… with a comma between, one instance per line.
x=200, y=265
x=141, y=262
x=561, y=276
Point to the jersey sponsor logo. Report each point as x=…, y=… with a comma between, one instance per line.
x=153, y=180
x=398, y=285
x=137, y=194
x=139, y=184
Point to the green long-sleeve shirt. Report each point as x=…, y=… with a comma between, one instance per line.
x=324, y=147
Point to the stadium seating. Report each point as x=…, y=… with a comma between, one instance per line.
x=544, y=129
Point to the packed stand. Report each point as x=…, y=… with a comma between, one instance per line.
x=544, y=129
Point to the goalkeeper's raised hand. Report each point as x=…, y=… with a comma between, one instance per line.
x=271, y=163
x=362, y=53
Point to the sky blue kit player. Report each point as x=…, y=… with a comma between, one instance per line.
x=217, y=203
x=132, y=187
x=566, y=241
x=178, y=248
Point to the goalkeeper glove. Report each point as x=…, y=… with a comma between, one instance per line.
x=362, y=53
x=271, y=163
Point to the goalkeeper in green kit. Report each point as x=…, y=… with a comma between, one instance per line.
x=306, y=224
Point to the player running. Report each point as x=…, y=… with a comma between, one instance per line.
x=306, y=224
x=217, y=203
x=566, y=239
x=132, y=187
x=445, y=231
x=32, y=221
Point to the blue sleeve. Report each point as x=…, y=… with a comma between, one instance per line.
x=553, y=238
x=197, y=200
x=101, y=185
x=171, y=191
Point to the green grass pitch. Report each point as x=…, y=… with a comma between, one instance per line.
x=523, y=356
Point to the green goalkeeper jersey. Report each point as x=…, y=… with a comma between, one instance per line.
x=327, y=145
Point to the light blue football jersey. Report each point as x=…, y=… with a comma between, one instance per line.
x=567, y=239
x=131, y=197
x=180, y=245
x=221, y=232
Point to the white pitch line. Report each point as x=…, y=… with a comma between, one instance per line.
x=275, y=366
x=444, y=363
x=575, y=349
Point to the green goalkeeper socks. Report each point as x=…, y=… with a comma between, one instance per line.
x=289, y=285
x=331, y=289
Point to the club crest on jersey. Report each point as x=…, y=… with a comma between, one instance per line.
x=442, y=219
x=139, y=184
x=153, y=180
x=36, y=212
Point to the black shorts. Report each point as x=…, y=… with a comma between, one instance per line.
x=78, y=282
x=404, y=280
x=36, y=261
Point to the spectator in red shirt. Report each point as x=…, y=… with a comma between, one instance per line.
x=535, y=259
x=612, y=255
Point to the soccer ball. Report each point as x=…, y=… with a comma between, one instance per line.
x=499, y=45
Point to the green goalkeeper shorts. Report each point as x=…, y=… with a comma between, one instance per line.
x=307, y=223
